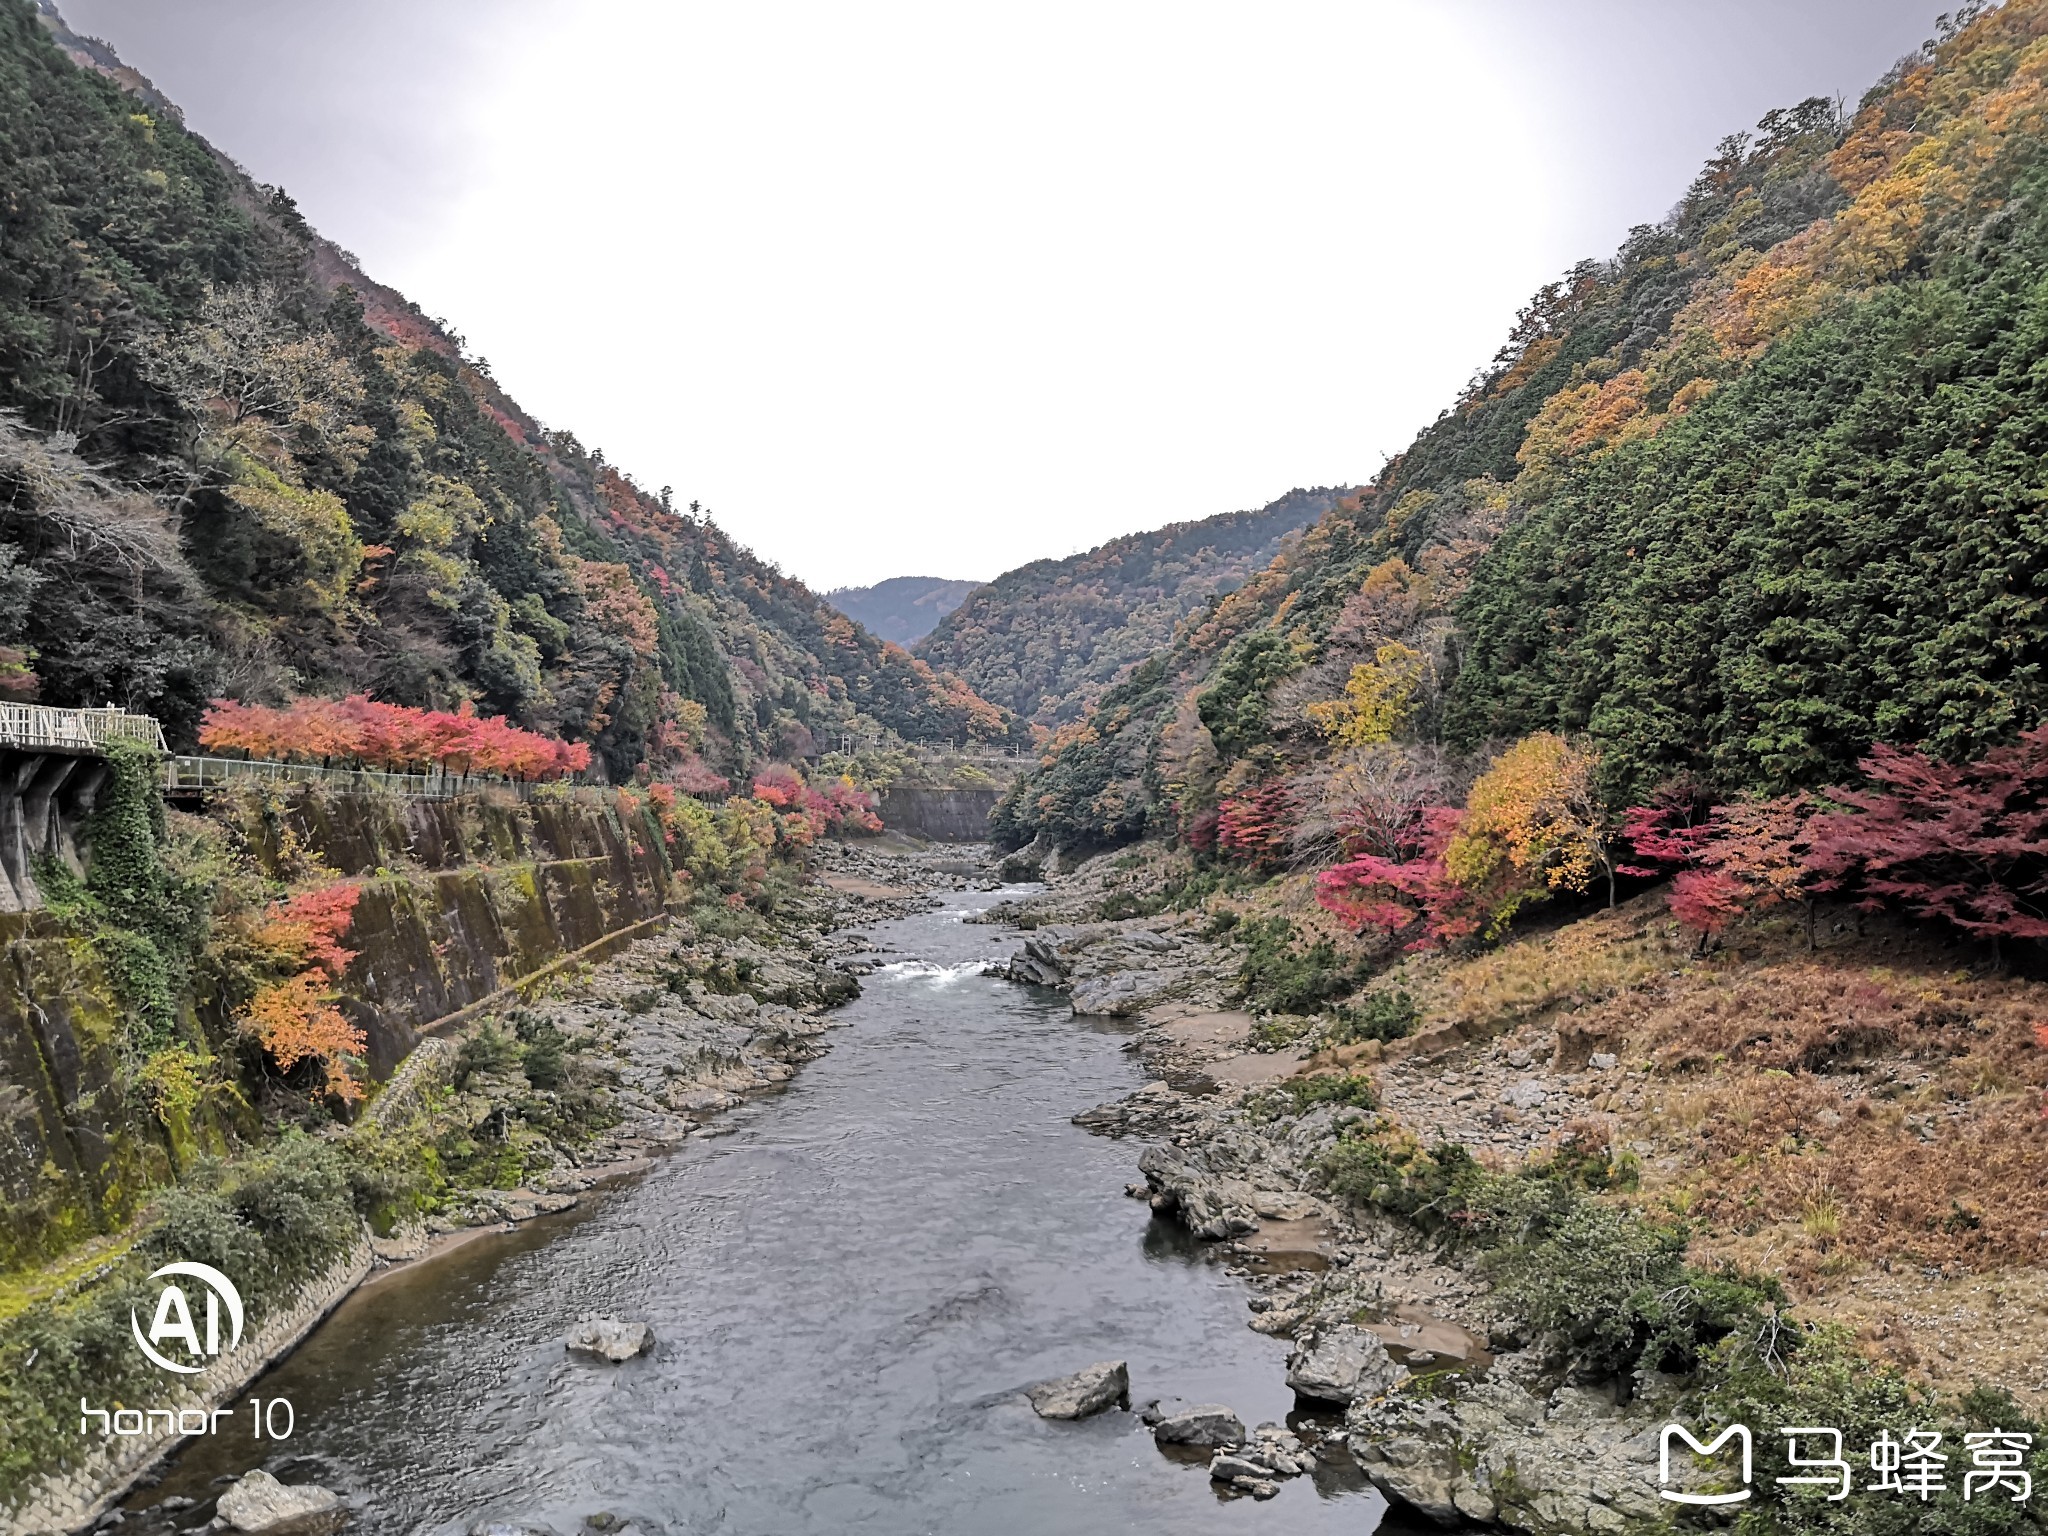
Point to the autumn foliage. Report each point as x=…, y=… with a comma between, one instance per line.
x=1749, y=856
x=1531, y=824
x=1410, y=892
x=806, y=814
x=388, y=736
x=1257, y=827
x=295, y=1018
x=1965, y=844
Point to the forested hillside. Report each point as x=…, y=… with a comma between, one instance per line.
x=1046, y=638
x=902, y=609
x=1729, y=508
x=231, y=465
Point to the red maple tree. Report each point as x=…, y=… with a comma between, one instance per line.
x=1963, y=843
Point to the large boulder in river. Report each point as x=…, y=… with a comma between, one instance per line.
x=609, y=1338
x=1036, y=963
x=1086, y=1391
x=1335, y=1365
x=1209, y=1205
x=1120, y=993
x=1206, y=1424
x=259, y=1505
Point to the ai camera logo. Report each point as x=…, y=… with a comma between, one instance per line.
x=175, y=1325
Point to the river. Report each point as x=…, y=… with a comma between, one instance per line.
x=848, y=1289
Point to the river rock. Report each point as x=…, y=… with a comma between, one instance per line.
x=1337, y=1364
x=1492, y=1452
x=1208, y=1205
x=1037, y=964
x=1284, y=1205
x=609, y=1338
x=1119, y=994
x=1083, y=1393
x=259, y=1505
x=1225, y=1467
x=1149, y=940
x=1205, y=1424
x=1523, y=1095
x=1246, y=1473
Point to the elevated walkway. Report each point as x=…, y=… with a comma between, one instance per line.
x=52, y=766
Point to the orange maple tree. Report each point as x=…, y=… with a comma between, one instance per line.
x=393, y=737
x=295, y=1018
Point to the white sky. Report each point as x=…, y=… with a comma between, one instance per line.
x=938, y=288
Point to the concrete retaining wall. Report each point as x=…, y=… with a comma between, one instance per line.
x=944, y=815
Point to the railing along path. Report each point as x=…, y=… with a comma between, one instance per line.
x=38, y=727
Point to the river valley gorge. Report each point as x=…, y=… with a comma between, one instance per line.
x=849, y=1282
x=1369, y=954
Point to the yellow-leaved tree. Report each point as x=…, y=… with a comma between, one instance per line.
x=1535, y=811
x=1377, y=699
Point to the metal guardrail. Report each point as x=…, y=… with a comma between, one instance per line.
x=39, y=727
x=190, y=775
x=75, y=730
x=980, y=752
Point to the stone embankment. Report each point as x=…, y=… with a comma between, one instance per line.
x=654, y=1045
x=1399, y=1355
x=74, y=1499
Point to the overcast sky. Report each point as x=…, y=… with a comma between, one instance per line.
x=938, y=288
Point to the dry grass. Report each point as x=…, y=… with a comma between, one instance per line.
x=1852, y=1114
x=1876, y=1104
x=1602, y=957
x=1866, y=1122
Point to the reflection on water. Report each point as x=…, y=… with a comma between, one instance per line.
x=848, y=1291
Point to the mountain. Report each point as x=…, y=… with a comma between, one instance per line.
x=1046, y=638
x=1756, y=493
x=233, y=464
x=902, y=609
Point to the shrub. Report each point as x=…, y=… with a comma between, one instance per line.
x=726, y=922
x=1118, y=905
x=541, y=1049
x=1354, y=1091
x=1618, y=1291
x=1789, y=1375
x=1388, y=1015
x=1275, y=975
x=488, y=1049
x=1614, y=1289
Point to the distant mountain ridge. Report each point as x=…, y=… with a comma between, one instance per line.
x=902, y=609
x=1047, y=638
x=311, y=489
x=1731, y=508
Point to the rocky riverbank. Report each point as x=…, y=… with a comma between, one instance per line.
x=1402, y=1358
